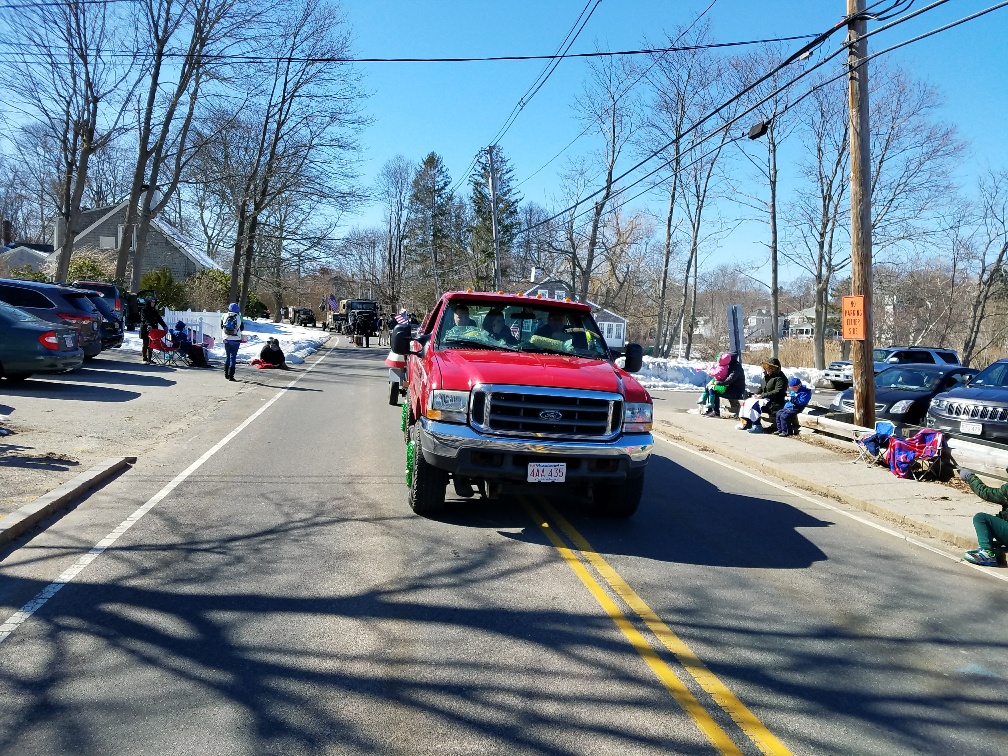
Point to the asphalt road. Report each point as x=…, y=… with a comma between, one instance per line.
x=269, y=591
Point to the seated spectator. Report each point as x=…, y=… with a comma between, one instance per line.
x=718, y=372
x=731, y=388
x=179, y=336
x=769, y=398
x=271, y=356
x=991, y=530
x=799, y=396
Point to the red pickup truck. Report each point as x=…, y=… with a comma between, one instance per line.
x=509, y=391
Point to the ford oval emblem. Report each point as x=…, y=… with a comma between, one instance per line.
x=550, y=415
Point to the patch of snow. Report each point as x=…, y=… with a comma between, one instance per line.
x=677, y=374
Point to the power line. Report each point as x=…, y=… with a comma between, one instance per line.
x=759, y=81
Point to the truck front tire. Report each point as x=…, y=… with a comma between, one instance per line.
x=618, y=499
x=393, y=397
x=428, y=484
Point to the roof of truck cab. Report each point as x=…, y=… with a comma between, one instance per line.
x=514, y=299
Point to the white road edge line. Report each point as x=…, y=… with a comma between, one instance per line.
x=17, y=619
x=821, y=503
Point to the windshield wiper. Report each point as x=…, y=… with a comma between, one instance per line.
x=478, y=344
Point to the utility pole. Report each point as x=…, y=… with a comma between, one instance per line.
x=860, y=193
x=493, y=220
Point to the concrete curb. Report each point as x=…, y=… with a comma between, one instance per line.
x=915, y=527
x=19, y=521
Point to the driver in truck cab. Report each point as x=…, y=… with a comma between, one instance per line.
x=554, y=327
x=462, y=319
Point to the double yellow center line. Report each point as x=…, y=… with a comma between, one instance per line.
x=724, y=698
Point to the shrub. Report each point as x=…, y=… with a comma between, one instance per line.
x=207, y=289
x=169, y=293
x=27, y=273
x=86, y=266
x=793, y=353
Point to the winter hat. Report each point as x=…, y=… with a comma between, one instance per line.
x=773, y=362
x=179, y=326
x=233, y=307
x=724, y=359
x=794, y=382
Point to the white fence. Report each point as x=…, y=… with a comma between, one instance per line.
x=200, y=324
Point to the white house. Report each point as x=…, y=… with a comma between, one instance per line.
x=759, y=326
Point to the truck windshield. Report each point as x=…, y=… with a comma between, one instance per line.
x=529, y=327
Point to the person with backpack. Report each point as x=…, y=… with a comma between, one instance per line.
x=232, y=327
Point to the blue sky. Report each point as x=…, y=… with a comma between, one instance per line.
x=455, y=109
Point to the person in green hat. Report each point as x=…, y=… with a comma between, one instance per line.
x=991, y=530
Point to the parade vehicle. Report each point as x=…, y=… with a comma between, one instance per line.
x=516, y=393
x=361, y=316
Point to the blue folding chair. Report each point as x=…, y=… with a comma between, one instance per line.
x=872, y=444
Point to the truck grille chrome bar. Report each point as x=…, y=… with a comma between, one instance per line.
x=542, y=412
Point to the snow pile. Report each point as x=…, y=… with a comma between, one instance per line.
x=677, y=374
x=297, y=342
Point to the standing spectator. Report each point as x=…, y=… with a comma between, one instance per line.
x=731, y=388
x=149, y=318
x=362, y=328
x=769, y=397
x=991, y=530
x=799, y=395
x=232, y=327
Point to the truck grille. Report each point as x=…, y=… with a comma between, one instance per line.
x=848, y=404
x=976, y=412
x=546, y=413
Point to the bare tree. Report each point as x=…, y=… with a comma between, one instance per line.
x=988, y=246
x=65, y=78
x=608, y=109
x=394, y=185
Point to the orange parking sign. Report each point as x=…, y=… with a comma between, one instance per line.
x=853, y=318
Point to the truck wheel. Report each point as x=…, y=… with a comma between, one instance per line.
x=393, y=396
x=619, y=499
x=428, y=483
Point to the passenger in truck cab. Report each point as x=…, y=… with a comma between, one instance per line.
x=496, y=328
x=554, y=327
x=462, y=319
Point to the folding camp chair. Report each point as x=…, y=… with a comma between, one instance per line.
x=872, y=444
x=162, y=351
x=918, y=457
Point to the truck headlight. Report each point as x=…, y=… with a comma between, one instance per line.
x=637, y=417
x=448, y=406
x=836, y=401
x=939, y=404
x=901, y=407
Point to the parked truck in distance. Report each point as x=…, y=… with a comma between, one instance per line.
x=510, y=392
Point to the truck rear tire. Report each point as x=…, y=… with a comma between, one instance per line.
x=428, y=484
x=619, y=499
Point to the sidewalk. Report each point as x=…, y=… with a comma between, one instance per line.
x=929, y=509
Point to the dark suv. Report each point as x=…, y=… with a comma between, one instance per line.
x=57, y=304
x=110, y=326
x=979, y=409
x=112, y=293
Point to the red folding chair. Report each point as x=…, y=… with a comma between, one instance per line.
x=163, y=352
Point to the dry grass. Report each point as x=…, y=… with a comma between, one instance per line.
x=793, y=353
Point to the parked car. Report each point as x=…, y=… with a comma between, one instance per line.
x=903, y=392
x=110, y=327
x=30, y=345
x=979, y=408
x=115, y=296
x=57, y=304
x=840, y=373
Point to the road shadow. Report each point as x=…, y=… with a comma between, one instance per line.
x=72, y=390
x=136, y=375
x=683, y=518
x=21, y=457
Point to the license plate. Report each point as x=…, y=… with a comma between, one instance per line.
x=69, y=340
x=974, y=429
x=547, y=472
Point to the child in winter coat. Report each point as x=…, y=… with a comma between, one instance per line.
x=718, y=373
x=799, y=396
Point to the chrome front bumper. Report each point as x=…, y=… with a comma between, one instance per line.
x=466, y=453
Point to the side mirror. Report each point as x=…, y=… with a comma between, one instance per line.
x=402, y=335
x=634, y=358
x=401, y=339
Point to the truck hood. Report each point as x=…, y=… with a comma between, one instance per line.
x=461, y=369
